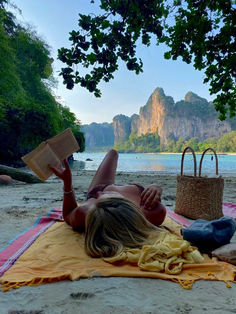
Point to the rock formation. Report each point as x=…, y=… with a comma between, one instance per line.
x=98, y=134
x=122, y=128
x=192, y=117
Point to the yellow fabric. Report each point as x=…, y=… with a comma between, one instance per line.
x=166, y=254
x=58, y=254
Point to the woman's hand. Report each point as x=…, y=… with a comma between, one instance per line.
x=151, y=196
x=64, y=174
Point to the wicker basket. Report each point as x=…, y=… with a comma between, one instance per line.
x=199, y=197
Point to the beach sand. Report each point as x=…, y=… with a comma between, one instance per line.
x=21, y=204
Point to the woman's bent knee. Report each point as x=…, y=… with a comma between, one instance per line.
x=113, y=153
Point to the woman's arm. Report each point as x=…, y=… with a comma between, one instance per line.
x=73, y=214
x=69, y=202
x=156, y=215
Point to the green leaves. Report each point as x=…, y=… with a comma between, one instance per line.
x=105, y=24
x=29, y=113
x=207, y=30
x=102, y=41
x=202, y=32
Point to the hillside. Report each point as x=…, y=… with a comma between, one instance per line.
x=192, y=117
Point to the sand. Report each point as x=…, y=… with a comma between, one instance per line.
x=21, y=204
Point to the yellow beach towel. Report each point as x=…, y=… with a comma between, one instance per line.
x=58, y=254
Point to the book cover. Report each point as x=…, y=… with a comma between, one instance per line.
x=53, y=151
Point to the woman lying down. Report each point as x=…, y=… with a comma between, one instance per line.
x=113, y=217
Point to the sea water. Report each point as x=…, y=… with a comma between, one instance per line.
x=166, y=163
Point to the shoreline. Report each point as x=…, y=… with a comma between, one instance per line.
x=140, y=172
x=160, y=162
x=161, y=153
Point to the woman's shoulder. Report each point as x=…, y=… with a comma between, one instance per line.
x=76, y=218
x=141, y=188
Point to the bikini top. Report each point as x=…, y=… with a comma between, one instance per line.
x=93, y=192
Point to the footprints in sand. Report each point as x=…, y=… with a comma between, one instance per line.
x=79, y=296
x=82, y=295
x=25, y=312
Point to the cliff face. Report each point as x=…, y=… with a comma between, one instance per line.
x=152, y=115
x=98, y=134
x=122, y=128
x=194, y=127
x=192, y=117
x=134, y=123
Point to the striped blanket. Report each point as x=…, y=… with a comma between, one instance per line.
x=17, y=246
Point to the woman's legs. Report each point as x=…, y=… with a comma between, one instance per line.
x=106, y=171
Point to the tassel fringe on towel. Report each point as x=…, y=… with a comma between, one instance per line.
x=6, y=286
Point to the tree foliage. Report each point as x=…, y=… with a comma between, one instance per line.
x=200, y=32
x=150, y=142
x=29, y=112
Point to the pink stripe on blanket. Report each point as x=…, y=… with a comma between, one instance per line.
x=229, y=209
x=178, y=218
x=17, y=247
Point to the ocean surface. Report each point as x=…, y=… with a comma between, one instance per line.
x=166, y=163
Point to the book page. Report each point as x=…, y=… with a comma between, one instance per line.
x=63, y=144
x=39, y=164
x=53, y=152
x=33, y=153
x=28, y=159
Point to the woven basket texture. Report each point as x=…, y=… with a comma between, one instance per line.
x=199, y=197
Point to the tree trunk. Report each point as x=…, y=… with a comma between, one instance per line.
x=19, y=175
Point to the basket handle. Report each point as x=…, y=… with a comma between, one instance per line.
x=200, y=166
x=194, y=160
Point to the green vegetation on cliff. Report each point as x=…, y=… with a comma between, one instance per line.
x=193, y=105
x=151, y=143
x=29, y=112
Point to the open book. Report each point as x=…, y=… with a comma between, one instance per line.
x=52, y=152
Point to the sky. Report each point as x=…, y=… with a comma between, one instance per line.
x=54, y=19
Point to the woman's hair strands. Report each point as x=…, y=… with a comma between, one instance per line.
x=113, y=225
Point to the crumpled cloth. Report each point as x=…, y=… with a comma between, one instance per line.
x=167, y=254
x=210, y=235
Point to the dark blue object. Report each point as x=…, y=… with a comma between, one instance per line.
x=209, y=235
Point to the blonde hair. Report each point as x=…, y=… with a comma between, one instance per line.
x=114, y=224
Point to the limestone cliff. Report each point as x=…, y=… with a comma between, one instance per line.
x=135, y=123
x=122, y=128
x=98, y=134
x=191, y=117
x=152, y=115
